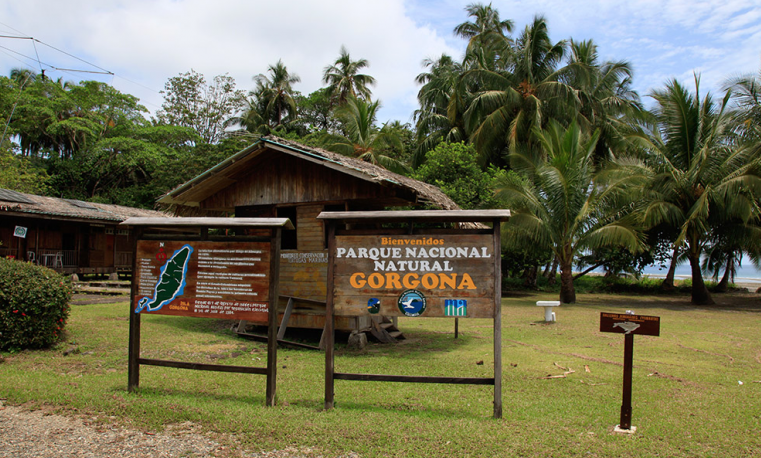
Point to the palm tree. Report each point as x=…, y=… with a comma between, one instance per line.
x=513, y=102
x=563, y=203
x=606, y=99
x=274, y=94
x=487, y=34
x=345, y=81
x=363, y=140
x=746, y=96
x=440, y=116
x=22, y=76
x=703, y=175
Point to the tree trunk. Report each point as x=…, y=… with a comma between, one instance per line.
x=724, y=283
x=546, y=272
x=668, y=283
x=529, y=277
x=700, y=294
x=553, y=272
x=567, y=291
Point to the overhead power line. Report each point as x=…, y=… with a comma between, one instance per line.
x=102, y=71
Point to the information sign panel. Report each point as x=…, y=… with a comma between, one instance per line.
x=228, y=280
x=414, y=275
x=623, y=323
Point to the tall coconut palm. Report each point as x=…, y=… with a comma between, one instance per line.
x=512, y=103
x=702, y=174
x=345, y=81
x=565, y=204
x=440, y=116
x=363, y=140
x=606, y=99
x=275, y=94
x=487, y=33
x=746, y=97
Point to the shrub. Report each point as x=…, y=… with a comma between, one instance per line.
x=34, y=305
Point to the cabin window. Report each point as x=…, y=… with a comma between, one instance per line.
x=289, y=240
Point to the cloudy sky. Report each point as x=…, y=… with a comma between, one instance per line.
x=145, y=42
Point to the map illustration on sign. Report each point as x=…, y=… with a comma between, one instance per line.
x=172, y=281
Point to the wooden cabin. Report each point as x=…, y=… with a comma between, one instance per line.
x=70, y=236
x=275, y=177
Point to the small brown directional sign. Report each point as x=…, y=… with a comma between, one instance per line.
x=630, y=324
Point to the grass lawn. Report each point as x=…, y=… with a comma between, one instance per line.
x=696, y=388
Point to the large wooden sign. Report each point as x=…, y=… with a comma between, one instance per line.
x=228, y=280
x=416, y=271
x=414, y=275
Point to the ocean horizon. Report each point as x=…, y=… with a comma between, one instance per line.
x=747, y=273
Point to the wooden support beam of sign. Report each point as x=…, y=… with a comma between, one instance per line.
x=329, y=332
x=413, y=379
x=133, y=366
x=203, y=367
x=284, y=321
x=497, y=238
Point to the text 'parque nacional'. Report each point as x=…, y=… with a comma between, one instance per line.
x=397, y=263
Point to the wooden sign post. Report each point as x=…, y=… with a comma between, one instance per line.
x=414, y=272
x=180, y=269
x=629, y=325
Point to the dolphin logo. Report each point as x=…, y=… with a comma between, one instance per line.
x=627, y=326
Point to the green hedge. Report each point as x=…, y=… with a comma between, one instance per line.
x=34, y=305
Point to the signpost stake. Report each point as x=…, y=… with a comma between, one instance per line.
x=626, y=405
x=329, y=331
x=497, y=320
x=133, y=365
x=133, y=368
x=274, y=287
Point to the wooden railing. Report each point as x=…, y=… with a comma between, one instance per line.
x=57, y=258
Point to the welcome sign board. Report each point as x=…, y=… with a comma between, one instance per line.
x=414, y=275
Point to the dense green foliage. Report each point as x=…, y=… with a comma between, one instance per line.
x=34, y=305
x=696, y=161
x=454, y=169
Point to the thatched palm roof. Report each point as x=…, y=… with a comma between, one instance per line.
x=13, y=202
x=185, y=198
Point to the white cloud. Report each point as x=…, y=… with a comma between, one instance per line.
x=150, y=41
x=147, y=41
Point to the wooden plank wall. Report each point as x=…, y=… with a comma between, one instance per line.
x=285, y=179
x=304, y=272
